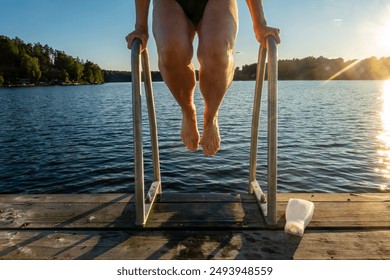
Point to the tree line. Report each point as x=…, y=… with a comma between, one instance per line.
x=37, y=64
x=115, y=76
x=321, y=68
x=308, y=68
x=26, y=63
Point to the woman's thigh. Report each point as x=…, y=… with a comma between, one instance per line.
x=171, y=27
x=219, y=25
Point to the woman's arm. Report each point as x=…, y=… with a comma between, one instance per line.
x=262, y=31
x=141, y=23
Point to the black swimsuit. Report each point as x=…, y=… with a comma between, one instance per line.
x=194, y=9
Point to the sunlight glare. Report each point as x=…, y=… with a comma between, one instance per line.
x=384, y=150
x=384, y=37
x=386, y=109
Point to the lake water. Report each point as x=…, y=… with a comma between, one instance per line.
x=333, y=137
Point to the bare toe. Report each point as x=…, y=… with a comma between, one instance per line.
x=210, y=140
x=189, y=132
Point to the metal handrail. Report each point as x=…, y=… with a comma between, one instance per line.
x=268, y=204
x=143, y=204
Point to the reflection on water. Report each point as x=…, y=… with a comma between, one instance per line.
x=384, y=150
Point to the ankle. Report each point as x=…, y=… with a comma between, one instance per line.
x=189, y=112
x=210, y=119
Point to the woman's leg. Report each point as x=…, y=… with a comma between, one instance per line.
x=217, y=33
x=174, y=35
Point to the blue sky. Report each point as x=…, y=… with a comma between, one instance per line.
x=95, y=29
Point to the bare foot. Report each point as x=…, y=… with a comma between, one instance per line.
x=210, y=139
x=189, y=132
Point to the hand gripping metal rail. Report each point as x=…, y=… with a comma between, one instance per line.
x=267, y=204
x=143, y=204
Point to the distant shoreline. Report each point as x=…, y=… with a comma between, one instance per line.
x=47, y=85
x=159, y=81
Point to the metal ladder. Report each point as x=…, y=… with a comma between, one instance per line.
x=267, y=202
x=143, y=204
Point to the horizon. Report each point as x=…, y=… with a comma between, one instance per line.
x=96, y=30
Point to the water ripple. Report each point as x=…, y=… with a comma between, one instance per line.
x=79, y=140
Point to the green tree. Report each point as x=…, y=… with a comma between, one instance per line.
x=98, y=75
x=30, y=68
x=64, y=76
x=92, y=73
x=43, y=56
x=1, y=80
x=9, y=58
x=88, y=76
x=76, y=71
x=73, y=67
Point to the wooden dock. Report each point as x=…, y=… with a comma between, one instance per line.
x=190, y=226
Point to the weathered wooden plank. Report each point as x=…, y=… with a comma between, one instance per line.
x=117, y=211
x=232, y=214
x=347, y=214
x=344, y=245
x=335, y=197
x=66, y=215
x=146, y=245
x=326, y=214
x=264, y=244
x=204, y=197
x=188, y=197
x=35, y=198
x=121, y=215
x=120, y=197
x=282, y=197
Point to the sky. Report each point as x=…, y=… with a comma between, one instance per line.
x=95, y=30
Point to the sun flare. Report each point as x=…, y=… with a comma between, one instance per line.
x=384, y=37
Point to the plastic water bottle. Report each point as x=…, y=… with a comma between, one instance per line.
x=298, y=215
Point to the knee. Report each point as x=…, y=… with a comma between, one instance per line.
x=216, y=52
x=175, y=54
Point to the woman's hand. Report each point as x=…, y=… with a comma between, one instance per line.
x=262, y=32
x=139, y=33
